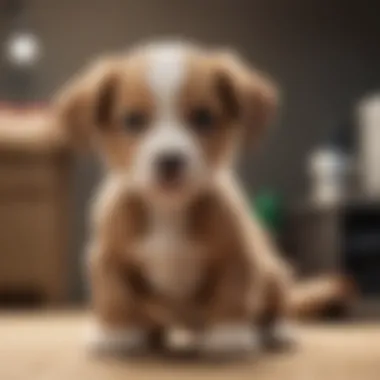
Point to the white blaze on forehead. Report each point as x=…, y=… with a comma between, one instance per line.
x=166, y=72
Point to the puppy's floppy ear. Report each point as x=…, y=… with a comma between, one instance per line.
x=87, y=101
x=248, y=93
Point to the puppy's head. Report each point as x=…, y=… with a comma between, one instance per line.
x=167, y=116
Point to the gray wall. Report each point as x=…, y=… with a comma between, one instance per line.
x=323, y=56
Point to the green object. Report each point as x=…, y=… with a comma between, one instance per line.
x=268, y=208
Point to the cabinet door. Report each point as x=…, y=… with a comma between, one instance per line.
x=23, y=240
x=30, y=256
x=33, y=224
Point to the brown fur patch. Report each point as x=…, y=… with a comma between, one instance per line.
x=257, y=94
x=116, y=145
x=204, y=88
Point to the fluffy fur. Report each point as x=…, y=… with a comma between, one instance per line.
x=189, y=257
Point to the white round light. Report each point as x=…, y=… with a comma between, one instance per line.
x=23, y=49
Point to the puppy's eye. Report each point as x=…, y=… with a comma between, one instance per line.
x=202, y=120
x=136, y=122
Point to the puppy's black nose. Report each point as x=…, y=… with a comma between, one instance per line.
x=170, y=166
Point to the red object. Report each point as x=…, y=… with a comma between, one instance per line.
x=23, y=107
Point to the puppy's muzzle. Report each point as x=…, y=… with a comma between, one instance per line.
x=171, y=168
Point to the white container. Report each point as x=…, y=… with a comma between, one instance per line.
x=329, y=170
x=369, y=145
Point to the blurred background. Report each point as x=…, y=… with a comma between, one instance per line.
x=314, y=182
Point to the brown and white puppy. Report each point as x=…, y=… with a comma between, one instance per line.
x=172, y=241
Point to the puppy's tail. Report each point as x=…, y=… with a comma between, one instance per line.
x=311, y=298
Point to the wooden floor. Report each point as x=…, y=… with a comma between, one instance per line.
x=50, y=347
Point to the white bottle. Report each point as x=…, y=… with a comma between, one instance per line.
x=329, y=169
x=369, y=145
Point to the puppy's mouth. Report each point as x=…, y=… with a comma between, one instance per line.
x=172, y=185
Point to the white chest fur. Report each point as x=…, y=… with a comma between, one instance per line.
x=171, y=262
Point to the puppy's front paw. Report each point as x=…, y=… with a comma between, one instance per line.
x=280, y=336
x=229, y=340
x=182, y=340
x=100, y=340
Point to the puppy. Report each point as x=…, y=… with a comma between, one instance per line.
x=172, y=243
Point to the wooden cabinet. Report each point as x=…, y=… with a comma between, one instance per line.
x=34, y=212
